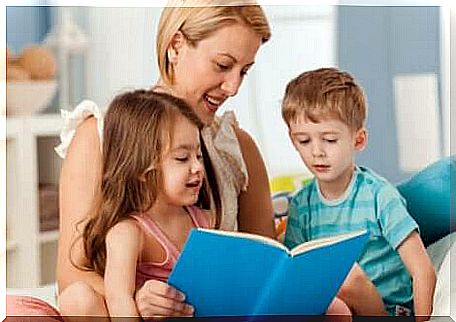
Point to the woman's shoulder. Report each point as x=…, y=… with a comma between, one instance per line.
x=85, y=122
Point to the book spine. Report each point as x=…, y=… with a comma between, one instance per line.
x=261, y=307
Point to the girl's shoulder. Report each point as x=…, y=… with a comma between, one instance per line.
x=125, y=230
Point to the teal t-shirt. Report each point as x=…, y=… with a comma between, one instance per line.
x=372, y=203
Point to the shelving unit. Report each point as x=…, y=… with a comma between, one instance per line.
x=31, y=160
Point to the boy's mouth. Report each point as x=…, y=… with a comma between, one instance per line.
x=321, y=167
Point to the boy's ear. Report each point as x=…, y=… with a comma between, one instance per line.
x=175, y=46
x=361, y=139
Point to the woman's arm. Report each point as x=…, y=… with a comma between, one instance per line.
x=255, y=204
x=78, y=178
x=418, y=263
x=122, y=249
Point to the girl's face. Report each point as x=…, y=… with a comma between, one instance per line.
x=213, y=70
x=182, y=166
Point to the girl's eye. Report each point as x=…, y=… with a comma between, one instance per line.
x=244, y=72
x=199, y=156
x=181, y=159
x=303, y=142
x=331, y=140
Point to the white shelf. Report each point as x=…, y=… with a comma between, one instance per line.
x=30, y=161
x=48, y=236
x=38, y=125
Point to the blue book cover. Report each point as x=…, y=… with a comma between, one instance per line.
x=239, y=274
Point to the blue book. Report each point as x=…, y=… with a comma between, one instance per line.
x=239, y=274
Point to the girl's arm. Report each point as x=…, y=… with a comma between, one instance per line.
x=417, y=261
x=122, y=251
x=80, y=172
x=255, y=204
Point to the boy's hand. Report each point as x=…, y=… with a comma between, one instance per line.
x=158, y=299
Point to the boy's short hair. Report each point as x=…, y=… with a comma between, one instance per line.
x=325, y=93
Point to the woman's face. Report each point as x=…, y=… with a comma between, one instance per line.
x=210, y=72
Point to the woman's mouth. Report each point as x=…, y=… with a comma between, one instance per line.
x=211, y=103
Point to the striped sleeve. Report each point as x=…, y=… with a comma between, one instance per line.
x=395, y=221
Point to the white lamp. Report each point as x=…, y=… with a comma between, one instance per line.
x=67, y=39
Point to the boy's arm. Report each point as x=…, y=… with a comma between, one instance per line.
x=122, y=249
x=419, y=265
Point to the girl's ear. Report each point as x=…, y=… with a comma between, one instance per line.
x=175, y=46
x=360, y=139
x=142, y=177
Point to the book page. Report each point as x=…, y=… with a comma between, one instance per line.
x=323, y=242
x=255, y=237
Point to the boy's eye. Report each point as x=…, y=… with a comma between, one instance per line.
x=303, y=142
x=331, y=140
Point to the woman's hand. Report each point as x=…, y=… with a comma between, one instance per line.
x=158, y=299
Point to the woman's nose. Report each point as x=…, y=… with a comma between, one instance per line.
x=231, y=85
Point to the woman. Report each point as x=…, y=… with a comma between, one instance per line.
x=204, y=54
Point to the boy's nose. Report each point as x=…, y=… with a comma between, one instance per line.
x=317, y=151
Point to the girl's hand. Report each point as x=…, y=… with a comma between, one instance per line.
x=158, y=299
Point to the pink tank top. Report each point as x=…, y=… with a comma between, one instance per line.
x=160, y=271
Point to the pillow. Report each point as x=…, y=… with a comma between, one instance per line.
x=20, y=307
x=428, y=199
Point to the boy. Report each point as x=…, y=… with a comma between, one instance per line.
x=325, y=111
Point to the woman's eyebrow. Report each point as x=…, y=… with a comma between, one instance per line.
x=234, y=58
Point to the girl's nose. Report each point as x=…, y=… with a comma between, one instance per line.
x=197, y=166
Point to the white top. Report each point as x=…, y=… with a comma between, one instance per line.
x=221, y=142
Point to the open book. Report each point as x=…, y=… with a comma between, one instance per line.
x=239, y=274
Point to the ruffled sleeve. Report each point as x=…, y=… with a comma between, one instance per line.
x=71, y=121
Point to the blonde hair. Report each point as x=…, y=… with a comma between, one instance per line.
x=325, y=93
x=198, y=19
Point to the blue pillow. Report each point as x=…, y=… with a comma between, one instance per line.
x=429, y=201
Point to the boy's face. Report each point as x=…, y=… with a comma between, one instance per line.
x=327, y=147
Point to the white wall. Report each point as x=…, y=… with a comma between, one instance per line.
x=122, y=55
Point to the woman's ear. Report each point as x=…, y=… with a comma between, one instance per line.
x=360, y=139
x=175, y=46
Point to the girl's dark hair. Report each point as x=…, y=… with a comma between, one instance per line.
x=136, y=135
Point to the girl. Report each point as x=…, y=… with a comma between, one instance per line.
x=151, y=194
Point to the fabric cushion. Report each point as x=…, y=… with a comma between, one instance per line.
x=428, y=199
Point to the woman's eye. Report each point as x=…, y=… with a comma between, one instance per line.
x=181, y=159
x=244, y=72
x=199, y=156
x=223, y=67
